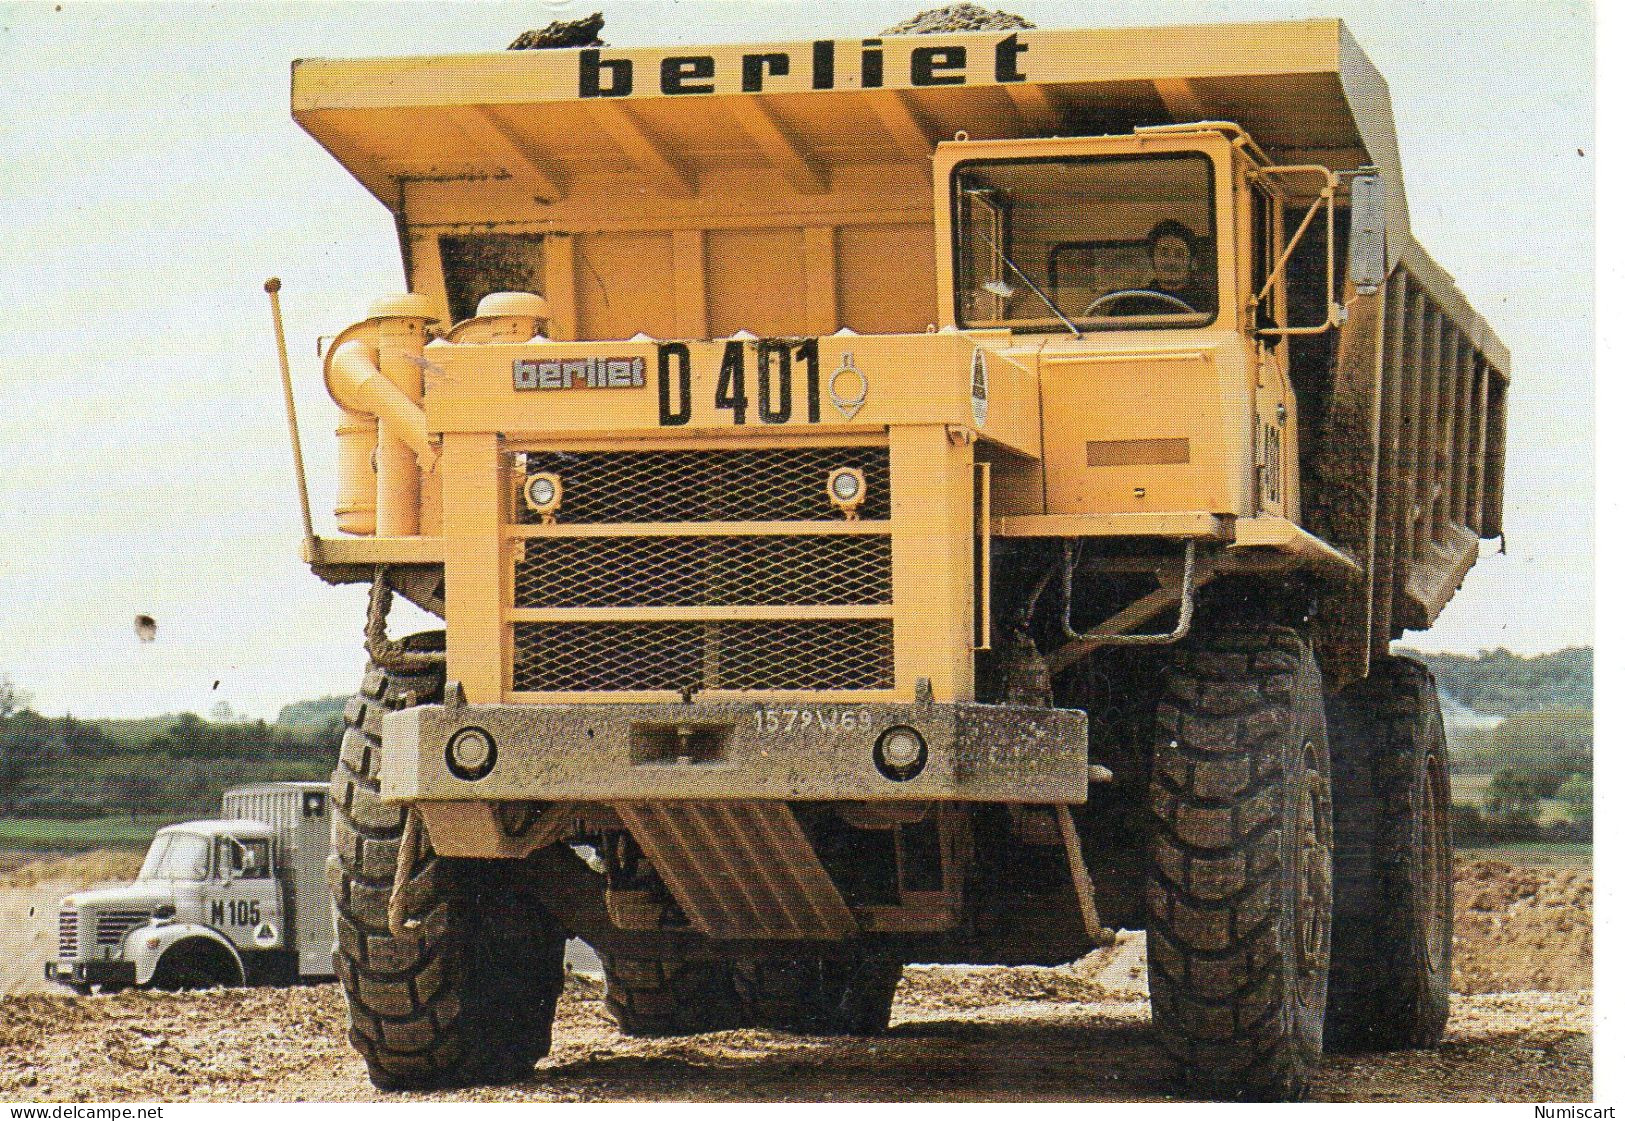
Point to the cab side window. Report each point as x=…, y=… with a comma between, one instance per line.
x=256, y=859
x=244, y=860
x=1264, y=252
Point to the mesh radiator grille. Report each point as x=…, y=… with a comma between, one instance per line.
x=797, y=654
x=754, y=571
x=653, y=571
x=709, y=484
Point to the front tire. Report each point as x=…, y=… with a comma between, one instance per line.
x=1392, y=927
x=194, y=964
x=468, y=998
x=1239, y=890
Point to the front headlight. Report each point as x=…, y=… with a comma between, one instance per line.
x=544, y=492
x=847, y=490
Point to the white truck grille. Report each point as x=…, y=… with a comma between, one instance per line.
x=112, y=926
x=67, y=939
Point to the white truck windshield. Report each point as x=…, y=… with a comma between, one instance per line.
x=176, y=856
x=1090, y=243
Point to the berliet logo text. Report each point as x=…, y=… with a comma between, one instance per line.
x=578, y=373
x=940, y=65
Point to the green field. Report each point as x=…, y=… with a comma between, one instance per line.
x=56, y=834
x=1530, y=854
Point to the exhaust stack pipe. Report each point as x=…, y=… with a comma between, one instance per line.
x=374, y=372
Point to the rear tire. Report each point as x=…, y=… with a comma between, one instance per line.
x=839, y=996
x=1239, y=889
x=468, y=998
x=1392, y=926
x=650, y=997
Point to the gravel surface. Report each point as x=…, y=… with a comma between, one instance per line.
x=1078, y=1033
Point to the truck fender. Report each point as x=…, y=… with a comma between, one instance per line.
x=147, y=945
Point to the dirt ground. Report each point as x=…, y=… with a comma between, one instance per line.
x=1520, y=1031
x=30, y=889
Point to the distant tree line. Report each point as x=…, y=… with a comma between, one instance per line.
x=61, y=766
x=1501, y=683
x=1540, y=751
x=1531, y=757
x=1557, y=741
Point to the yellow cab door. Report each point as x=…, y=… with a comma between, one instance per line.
x=1260, y=218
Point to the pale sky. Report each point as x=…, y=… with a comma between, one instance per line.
x=152, y=178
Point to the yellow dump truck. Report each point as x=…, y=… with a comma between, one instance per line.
x=930, y=498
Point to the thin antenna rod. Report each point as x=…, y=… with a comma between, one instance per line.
x=274, y=286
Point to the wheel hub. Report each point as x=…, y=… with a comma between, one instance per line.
x=1314, y=881
x=1434, y=862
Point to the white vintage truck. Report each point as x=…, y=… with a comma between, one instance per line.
x=238, y=900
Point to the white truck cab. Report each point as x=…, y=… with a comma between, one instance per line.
x=229, y=901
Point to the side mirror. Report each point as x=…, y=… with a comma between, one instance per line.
x=1368, y=228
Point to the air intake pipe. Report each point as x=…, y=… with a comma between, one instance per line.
x=374, y=372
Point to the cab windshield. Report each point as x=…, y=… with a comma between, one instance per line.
x=1085, y=243
x=176, y=856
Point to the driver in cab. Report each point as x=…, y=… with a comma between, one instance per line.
x=1175, y=286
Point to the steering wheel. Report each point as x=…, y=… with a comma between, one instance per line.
x=1110, y=297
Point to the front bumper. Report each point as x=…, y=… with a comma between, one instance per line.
x=78, y=973
x=737, y=750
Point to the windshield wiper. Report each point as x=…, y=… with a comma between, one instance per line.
x=1037, y=291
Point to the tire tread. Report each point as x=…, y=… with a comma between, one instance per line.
x=456, y=1003
x=1219, y=786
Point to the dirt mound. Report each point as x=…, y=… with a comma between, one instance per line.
x=1116, y=974
x=941, y=988
x=1520, y=929
x=958, y=17
x=81, y=868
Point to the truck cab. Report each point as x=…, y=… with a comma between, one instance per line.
x=210, y=905
x=1143, y=277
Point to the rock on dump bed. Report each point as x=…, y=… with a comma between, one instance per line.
x=958, y=17
x=563, y=33
x=955, y=17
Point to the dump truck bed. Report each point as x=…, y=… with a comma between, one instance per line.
x=548, y=126
x=785, y=189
